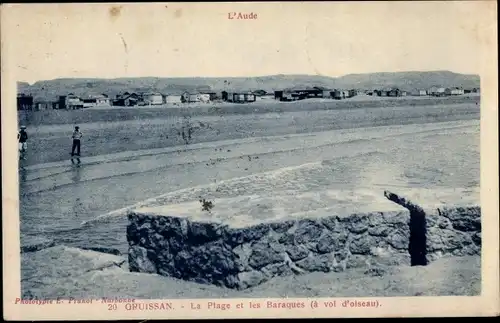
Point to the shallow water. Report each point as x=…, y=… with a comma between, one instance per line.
x=56, y=202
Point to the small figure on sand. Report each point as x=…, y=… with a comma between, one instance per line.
x=22, y=137
x=77, y=135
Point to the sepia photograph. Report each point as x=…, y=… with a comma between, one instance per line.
x=167, y=159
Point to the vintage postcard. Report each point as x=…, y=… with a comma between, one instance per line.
x=249, y=160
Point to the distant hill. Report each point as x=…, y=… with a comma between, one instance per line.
x=50, y=90
x=408, y=80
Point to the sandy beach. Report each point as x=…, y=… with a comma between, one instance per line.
x=238, y=155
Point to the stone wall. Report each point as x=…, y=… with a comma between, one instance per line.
x=454, y=231
x=244, y=257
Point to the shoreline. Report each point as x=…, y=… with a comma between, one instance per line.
x=126, y=155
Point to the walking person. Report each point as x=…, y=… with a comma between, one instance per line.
x=77, y=136
x=22, y=137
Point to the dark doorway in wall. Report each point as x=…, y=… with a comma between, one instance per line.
x=418, y=237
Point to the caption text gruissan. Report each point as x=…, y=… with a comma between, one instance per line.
x=131, y=304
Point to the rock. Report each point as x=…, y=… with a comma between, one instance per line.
x=329, y=242
x=133, y=236
x=166, y=266
x=456, y=214
x=341, y=255
x=444, y=224
x=136, y=218
x=248, y=279
x=341, y=258
x=381, y=252
x=476, y=238
x=108, y=250
x=445, y=239
x=399, y=226
x=357, y=261
x=158, y=242
x=330, y=222
x=464, y=219
x=176, y=243
x=361, y=245
x=296, y=252
x=242, y=253
x=398, y=217
x=438, y=221
x=200, y=233
x=357, y=223
x=232, y=281
x=377, y=219
x=468, y=250
x=287, y=239
x=308, y=231
x=379, y=231
x=139, y=261
x=183, y=268
x=146, y=226
x=141, y=234
x=282, y=227
x=35, y=243
x=280, y=269
x=399, y=240
x=311, y=246
x=238, y=236
x=326, y=244
x=265, y=253
x=158, y=223
x=472, y=250
x=213, y=261
x=169, y=226
x=316, y=263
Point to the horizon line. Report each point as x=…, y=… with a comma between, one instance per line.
x=233, y=77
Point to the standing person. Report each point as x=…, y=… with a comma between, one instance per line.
x=22, y=137
x=77, y=135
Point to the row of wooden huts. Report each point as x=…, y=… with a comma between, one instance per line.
x=70, y=101
x=338, y=94
x=133, y=99
x=433, y=91
x=313, y=92
x=129, y=99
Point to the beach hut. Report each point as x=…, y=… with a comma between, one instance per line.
x=174, y=98
x=24, y=102
x=153, y=98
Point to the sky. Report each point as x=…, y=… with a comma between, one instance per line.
x=42, y=42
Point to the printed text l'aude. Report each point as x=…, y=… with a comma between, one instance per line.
x=241, y=16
